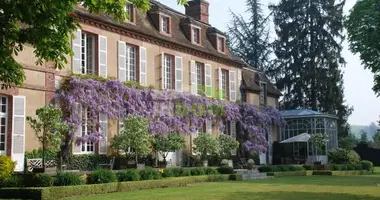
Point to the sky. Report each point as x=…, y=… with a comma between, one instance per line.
x=358, y=82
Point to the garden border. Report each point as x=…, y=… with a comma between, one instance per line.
x=53, y=193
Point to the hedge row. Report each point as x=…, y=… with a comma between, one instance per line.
x=340, y=173
x=294, y=173
x=280, y=168
x=85, y=190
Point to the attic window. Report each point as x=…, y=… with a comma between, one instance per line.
x=165, y=24
x=221, y=42
x=130, y=10
x=195, y=35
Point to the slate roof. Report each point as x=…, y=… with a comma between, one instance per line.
x=298, y=113
x=249, y=82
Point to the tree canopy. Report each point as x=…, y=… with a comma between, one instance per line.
x=47, y=26
x=363, y=29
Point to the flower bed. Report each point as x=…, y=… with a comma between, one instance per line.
x=48, y=193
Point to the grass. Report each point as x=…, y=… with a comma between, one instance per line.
x=286, y=188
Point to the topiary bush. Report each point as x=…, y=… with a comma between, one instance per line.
x=210, y=171
x=7, y=167
x=41, y=180
x=101, y=176
x=197, y=171
x=65, y=179
x=150, y=174
x=367, y=165
x=225, y=170
x=128, y=175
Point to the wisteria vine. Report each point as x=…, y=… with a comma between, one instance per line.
x=167, y=110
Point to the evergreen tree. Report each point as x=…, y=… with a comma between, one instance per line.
x=249, y=39
x=308, y=56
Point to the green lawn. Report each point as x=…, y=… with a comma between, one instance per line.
x=286, y=188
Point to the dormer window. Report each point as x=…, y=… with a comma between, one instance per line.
x=196, y=35
x=165, y=24
x=130, y=10
x=221, y=42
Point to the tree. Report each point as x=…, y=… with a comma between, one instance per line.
x=46, y=26
x=250, y=39
x=308, y=57
x=376, y=140
x=49, y=127
x=164, y=144
x=363, y=136
x=349, y=142
x=363, y=35
x=134, y=135
x=206, y=144
x=227, y=144
x=320, y=141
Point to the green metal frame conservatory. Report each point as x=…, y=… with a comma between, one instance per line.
x=308, y=121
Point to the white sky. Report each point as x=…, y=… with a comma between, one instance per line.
x=358, y=82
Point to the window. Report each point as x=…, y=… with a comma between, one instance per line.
x=263, y=94
x=131, y=63
x=3, y=123
x=165, y=24
x=227, y=128
x=168, y=71
x=224, y=84
x=88, y=54
x=130, y=11
x=220, y=43
x=200, y=78
x=87, y=128
x=196, y=35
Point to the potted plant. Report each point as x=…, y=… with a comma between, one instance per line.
x=206, y=144
x=135, y=135
x=227, y=145
x=163, y=144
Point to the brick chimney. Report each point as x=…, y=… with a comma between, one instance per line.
x=197, y=9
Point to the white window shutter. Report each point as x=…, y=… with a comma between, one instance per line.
x=220, y=89
x=102, y=46
x=208, y=80
x=122, y=74
x=209, y=126
x=143, y=67
x=103, y=123
x=193, y=136
x=232, y=77
x=77, y=112
x=178, y=74
x=162, y=70
x=193, y=78
x=76, y=62
x=238, y=84
x=18, y=132
x=233, y=134
x=57, y=82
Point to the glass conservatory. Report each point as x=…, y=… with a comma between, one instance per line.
x=306, y=123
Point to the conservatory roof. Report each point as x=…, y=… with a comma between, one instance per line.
x=304, y=113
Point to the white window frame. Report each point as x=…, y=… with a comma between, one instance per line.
x=200, y=68
x=168, y=71
x=130, y=12
x=84, y=125
x=224, y=84
x=5, y=116
x=165, y=27
x=263, y=91
x=220, y=43
x=195, y=38
x=84, y=53
x=131, y=62
x=227, y=128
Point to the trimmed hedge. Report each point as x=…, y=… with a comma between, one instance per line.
x=280, y=168
x=340, y=173
x=53, y=193
x=236, y=177
x=293, y=173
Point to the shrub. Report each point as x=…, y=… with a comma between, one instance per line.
x=7, y=167
x=41, y=180
x=280, y=174
x=149, y=174
x=350, y=167
x=64, y=179
x=225, y=170
x=266, y=168
x=13, y=181
x=343, y=156
x=308, y=167
x=185, y=172
x=101, y=176
x=235, y=177
x=128, y=175
x=210, y=171
x=168, y=173
x=197, y=171
x=367, y=165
